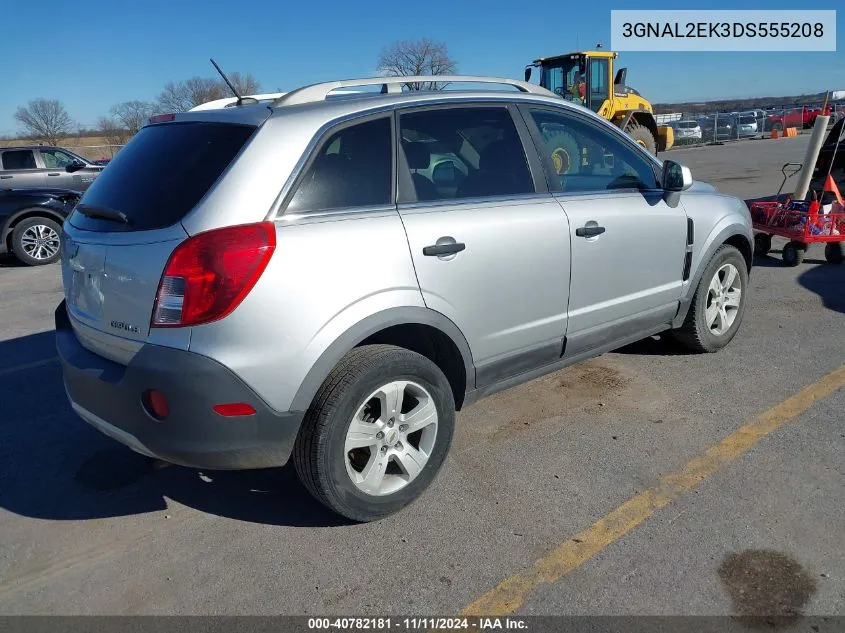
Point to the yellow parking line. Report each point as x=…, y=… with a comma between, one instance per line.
x=37, y=363
x=506, y=597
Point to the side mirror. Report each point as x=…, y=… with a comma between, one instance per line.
x=74, y=166
x=676, y=177
x=527, y=73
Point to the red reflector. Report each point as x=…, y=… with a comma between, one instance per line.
x=156, y=404
x=233, y=409
x=162, y=118
x=209, y=274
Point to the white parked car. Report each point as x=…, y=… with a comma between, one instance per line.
x=746, y=126
x=687, y=130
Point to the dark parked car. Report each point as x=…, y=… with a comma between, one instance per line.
x=31, y=222
x=709, y=133
x=43, y=166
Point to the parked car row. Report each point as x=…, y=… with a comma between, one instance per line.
x=710, y=128
x=39, y=186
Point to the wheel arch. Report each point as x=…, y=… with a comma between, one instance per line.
x=646, y=119
x=418, y=329
x=733, y=235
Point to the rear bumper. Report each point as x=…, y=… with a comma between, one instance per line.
x=108, y=396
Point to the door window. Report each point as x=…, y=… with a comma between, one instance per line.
x=463, y=153
x=586, y=158
x=19, y=159
x=56, y=159
x=353, y=168
x=598, y=83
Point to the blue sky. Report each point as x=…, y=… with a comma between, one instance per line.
x=94, y=54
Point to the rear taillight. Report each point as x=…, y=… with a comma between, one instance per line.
x=209, y=274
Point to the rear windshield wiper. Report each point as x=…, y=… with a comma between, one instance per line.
x=103, y=213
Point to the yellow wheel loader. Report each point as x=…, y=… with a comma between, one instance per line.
x=587, y=78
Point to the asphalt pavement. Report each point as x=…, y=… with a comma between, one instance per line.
x=88, y=527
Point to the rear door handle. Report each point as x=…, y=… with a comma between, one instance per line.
x=55, y=173
x=5, y=177
x=443, y=249
x=589, y=231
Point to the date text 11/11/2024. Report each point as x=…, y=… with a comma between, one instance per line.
x=416, y=624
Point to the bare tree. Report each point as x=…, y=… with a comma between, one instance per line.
x=174, y=97
x=245, y=84
x=113, y=131
x=181, y=96
x=417, y=57
x=45, y=119
x=132, y=115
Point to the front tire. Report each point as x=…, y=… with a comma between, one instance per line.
x=376, y=433
x=566, y=158
x=762, y=244
x=37, y=241
x=719, y=303
x=643, y=137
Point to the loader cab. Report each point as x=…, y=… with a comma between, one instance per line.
x=583, y=78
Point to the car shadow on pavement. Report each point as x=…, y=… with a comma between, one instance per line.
x=828, y=282
x=657, y=345
x=54, y=466
x=10, y=261
x=773, y=260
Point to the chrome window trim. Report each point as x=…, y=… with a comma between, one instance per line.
x=434, y=205
x=277, y=210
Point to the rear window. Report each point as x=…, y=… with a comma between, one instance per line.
x=687, y=124
x=747, y=119
x=19, y=159
x=162, y=174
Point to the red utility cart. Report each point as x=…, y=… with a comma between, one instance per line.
x=802, y=223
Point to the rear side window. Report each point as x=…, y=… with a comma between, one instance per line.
x=463, y=153
x=19, y=159
x=352, y=168
x=162, y=174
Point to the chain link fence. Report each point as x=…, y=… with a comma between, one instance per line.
x=705, y=127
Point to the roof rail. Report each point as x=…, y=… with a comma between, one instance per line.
x=393, y=85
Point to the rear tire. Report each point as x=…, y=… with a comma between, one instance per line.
x=349, y=468
x=793, y=253
x=37, y=241
x=762, y=244
x=717, y=308
x=643, y=137
x=833, y=252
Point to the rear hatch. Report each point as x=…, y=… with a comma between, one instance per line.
x=124, y=229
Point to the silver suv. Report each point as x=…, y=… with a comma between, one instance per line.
x=332, y=278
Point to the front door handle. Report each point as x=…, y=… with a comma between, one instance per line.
x=5, y=177
x=55, y=173
x=438, y=250
x=589, y=231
